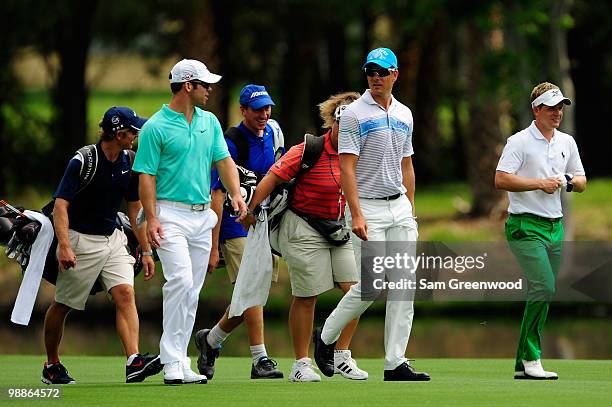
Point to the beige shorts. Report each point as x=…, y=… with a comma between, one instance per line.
x=314, y=264
x=232, y=251
x=103, y=257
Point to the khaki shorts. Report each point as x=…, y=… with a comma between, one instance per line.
x=103, y=257
x=232, y=251
x=314, y=264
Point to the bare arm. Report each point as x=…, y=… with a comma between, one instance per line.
x=516, y=183
x=147, y=261
x=348, y=163
x=408, y=179
x=263, y=190
x=229, y=177
x=147, y=190
x=580, y=183
x=65, y=255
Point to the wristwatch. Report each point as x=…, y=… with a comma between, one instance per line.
x=149, y=253
x=569, y=187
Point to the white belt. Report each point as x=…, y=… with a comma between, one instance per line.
x=191, y=207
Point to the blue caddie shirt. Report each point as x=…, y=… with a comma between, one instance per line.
x=261, y=158
x=93, y=210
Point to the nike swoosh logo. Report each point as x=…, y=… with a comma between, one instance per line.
x=203, y=131
x=123, y=172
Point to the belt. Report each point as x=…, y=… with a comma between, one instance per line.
x=388, y=198
x=533, y=216
x=191, y=207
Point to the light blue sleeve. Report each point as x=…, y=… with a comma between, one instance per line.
x=219, y=145
x=149, y=150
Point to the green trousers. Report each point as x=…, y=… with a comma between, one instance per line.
x=537, y=244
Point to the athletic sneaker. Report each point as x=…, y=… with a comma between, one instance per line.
x=323, y=353
x=345, y=365
x=265, y=369
x=302, y=371
x=142, y=367
x=56, y=374
x=206, y=359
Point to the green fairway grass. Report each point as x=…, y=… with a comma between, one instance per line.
x=455, y=382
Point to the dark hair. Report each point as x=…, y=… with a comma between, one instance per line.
x=176, y=87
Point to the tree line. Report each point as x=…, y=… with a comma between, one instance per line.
x=466, y=70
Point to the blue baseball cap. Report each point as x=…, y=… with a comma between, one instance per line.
x=382, y=57
x=117, y=118
x=255, y=96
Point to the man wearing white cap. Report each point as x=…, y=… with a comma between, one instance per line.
x=537, y=165
x=377, y=177
x=178, y=146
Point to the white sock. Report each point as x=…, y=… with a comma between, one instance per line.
x=131, y=359
x=216, y=336
x=340, y=355
x=258, y=351
x=305, y=360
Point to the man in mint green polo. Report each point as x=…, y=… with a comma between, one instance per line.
x=537, y=165
x=176, y=151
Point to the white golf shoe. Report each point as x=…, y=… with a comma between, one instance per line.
x=535, y=371
x=191, y=377
x=302, y=371
x=345, y=365
x=173, y=373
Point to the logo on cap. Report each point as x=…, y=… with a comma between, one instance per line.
x=259, y=93
x=379, y=53
x=115, y=120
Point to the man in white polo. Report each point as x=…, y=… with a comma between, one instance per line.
x=377, y=176
x=537, y=165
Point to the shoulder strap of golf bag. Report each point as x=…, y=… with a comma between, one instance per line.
x=242, y=144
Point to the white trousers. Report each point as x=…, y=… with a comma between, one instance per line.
x=387, y=221
x=184, y=254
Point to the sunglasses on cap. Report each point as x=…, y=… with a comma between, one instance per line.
x=382, y=72
x=202, y=84
x=338, y=112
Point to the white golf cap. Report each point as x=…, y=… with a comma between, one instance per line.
x=192, y=70
x=551, y=97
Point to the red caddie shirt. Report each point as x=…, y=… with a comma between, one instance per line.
x=317, y=192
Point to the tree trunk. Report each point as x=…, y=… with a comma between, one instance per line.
x=560, y=74
x=201, y=43
x=484, y=141
x=426, y=140
x=70, y=91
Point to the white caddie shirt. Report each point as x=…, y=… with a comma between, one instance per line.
x=528, y=154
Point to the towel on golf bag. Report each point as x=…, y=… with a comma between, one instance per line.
x=255, y=275
x=26, y=297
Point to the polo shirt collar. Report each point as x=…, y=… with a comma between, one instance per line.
x=537, y=134
x=171, y=114
x=367, y=97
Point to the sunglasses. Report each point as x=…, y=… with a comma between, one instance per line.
x=202, y=84
x=382, y=72
x=338, y=112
